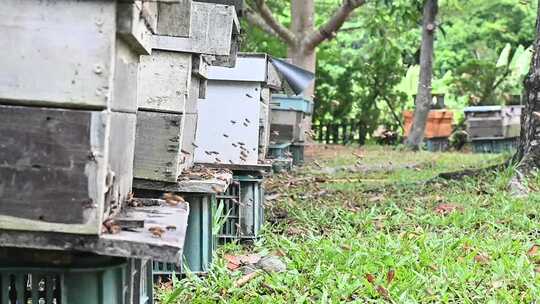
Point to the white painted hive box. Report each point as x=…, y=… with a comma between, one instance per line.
x=229, y=120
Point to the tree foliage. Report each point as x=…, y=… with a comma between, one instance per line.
x=361, y=74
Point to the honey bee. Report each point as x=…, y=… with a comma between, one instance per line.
x=157, y=231
x=173, y=199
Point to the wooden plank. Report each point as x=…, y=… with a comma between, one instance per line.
x=238, y=4
x=233, y=167
x=206, y=18
x=273, y=79
x=264, y=130
x=121, y=154
x=133, y=28
x=251, y=67
x=174, y=19
x=188, y=141
x=150, y=14
x=164, y=81
x=125, y=78
x=218, y=184
x=53, y=170
x=194, y=95
x=136, y=243
x=57, y=53
x=200, y=66
x=158, y=146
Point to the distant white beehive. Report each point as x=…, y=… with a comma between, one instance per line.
x=233, y=122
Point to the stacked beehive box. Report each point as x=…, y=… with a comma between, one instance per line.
x=189, y=36
x=237, y=135
x=438, y=128
x=70, y=69
x=172, y=79
x=291, y=117
x=493, y=129
x=68, y=104
x=234, y=131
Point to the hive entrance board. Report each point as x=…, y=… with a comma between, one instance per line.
x=133, y=242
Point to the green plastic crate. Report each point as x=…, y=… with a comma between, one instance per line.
x=199, y=244
x=297, y=151
x=243, y=210
x=495, y=145
x=277, y=151
x=87, y=279
x=438, y=144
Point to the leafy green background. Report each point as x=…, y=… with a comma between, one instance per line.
x=369, y=73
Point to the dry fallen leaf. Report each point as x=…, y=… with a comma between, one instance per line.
x=390, y=276
x=383, y=292
x=445, y=209
x=533, y=251
x=481, y=258
x=375, y=199
x=232, y=262
x=346, y=247
x=280, y=253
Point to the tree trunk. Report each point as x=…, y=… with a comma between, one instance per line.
x=528, y=154
x=423, y=98
x=303, y=24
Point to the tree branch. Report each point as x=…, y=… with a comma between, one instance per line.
x=266, y=14
x=329, y=29
x=255, y=19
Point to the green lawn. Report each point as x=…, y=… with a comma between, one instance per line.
x=343, y=233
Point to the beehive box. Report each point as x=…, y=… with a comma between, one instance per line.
x=70, y=67
x=493, y=122
x=498, y=145
x=62, y=53
x=296, y=103
x=208, y=28
x=173, y=78
x=287, y=126
x=226, y=135
x=439, y=123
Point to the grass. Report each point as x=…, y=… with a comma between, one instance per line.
x=344, y=234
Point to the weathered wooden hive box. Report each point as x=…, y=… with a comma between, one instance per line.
x=233, y=121
x=290, y=118
x=173, y=78
x=493, y=122
x=69, y=68
x=438, y=125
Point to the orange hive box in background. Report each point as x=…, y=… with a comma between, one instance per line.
x=439, y=123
